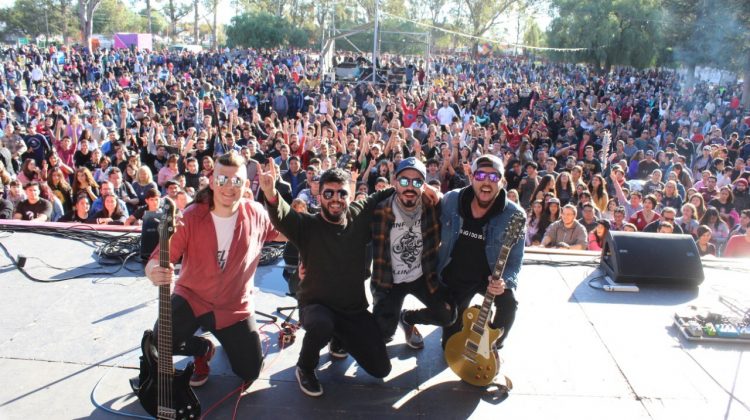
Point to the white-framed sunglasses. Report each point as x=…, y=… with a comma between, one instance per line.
x=222, y=180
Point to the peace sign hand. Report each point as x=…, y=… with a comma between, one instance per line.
x=268, y=181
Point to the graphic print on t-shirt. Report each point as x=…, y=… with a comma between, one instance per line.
x=224, y=230
x=406, y=250
x=408, y=246
x=221, y=257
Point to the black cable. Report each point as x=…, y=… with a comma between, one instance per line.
x=120, y=248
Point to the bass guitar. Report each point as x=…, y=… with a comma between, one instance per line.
x=470, y=353
x=163, y=391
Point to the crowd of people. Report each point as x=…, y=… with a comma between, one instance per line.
x=91, y=138
x=422, y=175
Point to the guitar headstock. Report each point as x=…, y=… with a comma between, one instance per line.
x=168, y=221
x=515, y=229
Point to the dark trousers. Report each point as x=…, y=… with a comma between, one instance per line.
x=389, y=301
x=357, y=332
x=240, y=340
x=505, y=312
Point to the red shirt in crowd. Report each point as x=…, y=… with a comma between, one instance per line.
x=639, y=220
x=227, y=293
x=738, y=246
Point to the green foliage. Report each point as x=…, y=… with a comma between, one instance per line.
x=116, y=16
x=27, y=18
x=533, y=35
x=264, y=30
x=617, y=32
x=709, y=32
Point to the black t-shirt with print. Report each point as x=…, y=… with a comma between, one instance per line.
x=30, y=211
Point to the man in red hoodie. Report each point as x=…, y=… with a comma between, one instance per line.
x=410, y=111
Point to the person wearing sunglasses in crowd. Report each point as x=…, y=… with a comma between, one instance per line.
x=406, y=237
x=219, y=242
x=473, y=223
x=331, y=297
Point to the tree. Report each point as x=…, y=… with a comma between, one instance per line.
x=616, y=32
x=64, y=18
x=712, y=33
x=174, y=11
x=483, y=15
x=86, y=9
x=148, y=16
x=213, y=6
x=27, y=18
x=265, y=30
x=533, y=35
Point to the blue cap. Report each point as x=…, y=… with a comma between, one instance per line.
x=411, y=163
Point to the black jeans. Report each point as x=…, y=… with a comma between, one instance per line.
x=389, y=301
x=240, y=340
x=505, y=312
x=358, y=333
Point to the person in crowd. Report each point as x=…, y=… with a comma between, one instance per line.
x=647, y=215
x=705, y=246
x=700, y=206
x=629, y=227
x=719, y=228
x=533, y=221
x=738, y=246
x=688, y=221
x=668, y=215
x=84, y=182
x=598, y=235
x=217, y=297
x=34, y=208
x=111, y=212
x=566, y=233
x=59, y=186
x=144, y=183
x=588, y=217
x=724, y=203
x=152, y=204
x=80, y=211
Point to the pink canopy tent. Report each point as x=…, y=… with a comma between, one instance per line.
x=138, y=41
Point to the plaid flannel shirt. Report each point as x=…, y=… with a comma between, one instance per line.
x=382, y=222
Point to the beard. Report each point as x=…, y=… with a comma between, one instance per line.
x=337, y=218
x=408, y=201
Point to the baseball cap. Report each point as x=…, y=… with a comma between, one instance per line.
x=649, y=152
x=411, y=163
x=488, y=161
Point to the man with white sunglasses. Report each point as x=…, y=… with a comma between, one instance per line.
x=219, y=240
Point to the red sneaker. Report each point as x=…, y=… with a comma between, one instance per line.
x=200, y=374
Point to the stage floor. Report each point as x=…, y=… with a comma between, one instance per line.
x=575, y=352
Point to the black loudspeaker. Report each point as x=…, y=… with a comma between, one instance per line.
x=652, y=258
x=149, y=234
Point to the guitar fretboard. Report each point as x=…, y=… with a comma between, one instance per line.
x=164, y=335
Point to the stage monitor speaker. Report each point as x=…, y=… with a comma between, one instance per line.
x=652, y=258
x=149, y=233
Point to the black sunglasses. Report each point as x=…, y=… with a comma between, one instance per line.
x=328, y=194
x=415, y=182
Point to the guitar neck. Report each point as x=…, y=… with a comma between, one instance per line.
x=497, y=273
x=164, y=336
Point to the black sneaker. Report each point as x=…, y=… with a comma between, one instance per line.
x=336, y=350
x=413, y=337
x=308, y=382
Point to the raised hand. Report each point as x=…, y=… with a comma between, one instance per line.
x=268, y=181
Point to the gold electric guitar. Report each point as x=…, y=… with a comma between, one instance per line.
x=469, y=352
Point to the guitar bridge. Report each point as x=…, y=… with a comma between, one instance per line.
x=166, y=413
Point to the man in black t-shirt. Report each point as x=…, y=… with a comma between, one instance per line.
x=34, y=208
x=152, y=204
